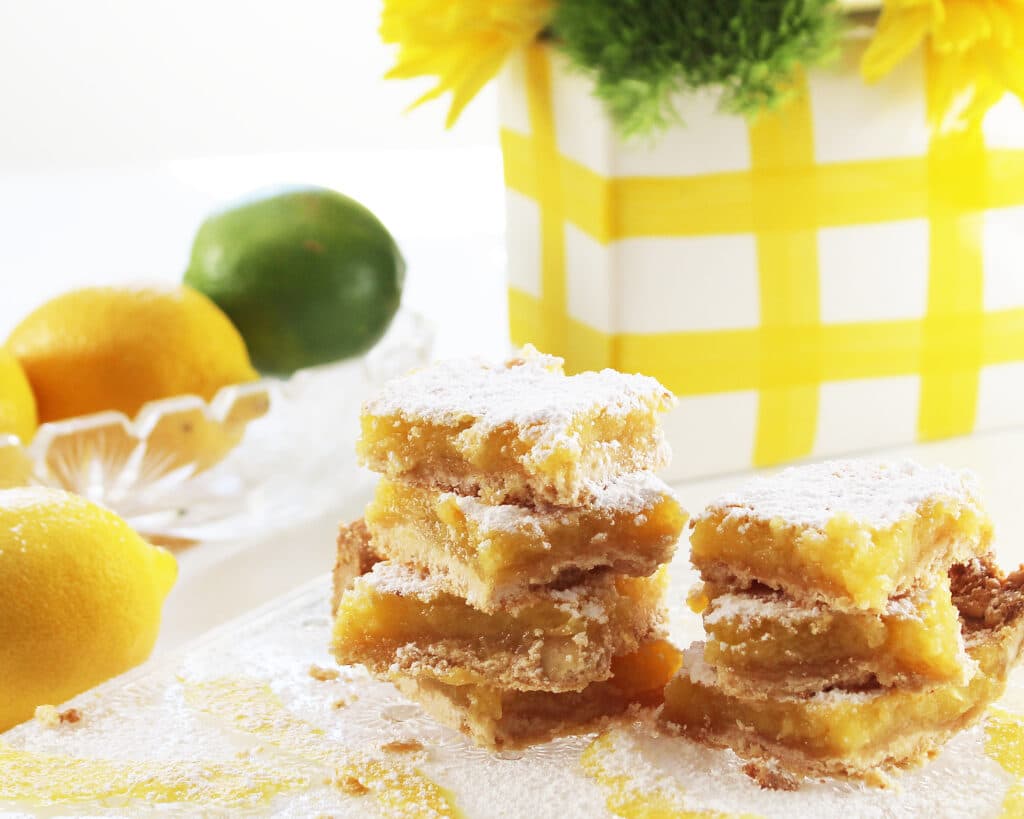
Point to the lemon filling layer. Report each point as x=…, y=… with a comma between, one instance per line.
x=398, y=620
x=488, y=552
x=765, y=637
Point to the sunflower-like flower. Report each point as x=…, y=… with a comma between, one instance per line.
x=978, y=46
x=464, y=44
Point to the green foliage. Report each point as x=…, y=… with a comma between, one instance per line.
x=642, y=52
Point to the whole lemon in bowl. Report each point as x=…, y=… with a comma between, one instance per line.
x=82, y=597
x=17, y=404
x=117, y=348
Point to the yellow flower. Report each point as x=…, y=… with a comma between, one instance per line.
x=463, y=43
x=976, y=46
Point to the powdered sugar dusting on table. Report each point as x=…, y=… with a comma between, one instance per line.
x=529, y=391
x=874, y=493
x=637, y=494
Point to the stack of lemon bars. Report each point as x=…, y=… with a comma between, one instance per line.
x=854, y=619
x=509, y=573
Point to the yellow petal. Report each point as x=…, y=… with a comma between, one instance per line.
x=898, y=33
x=965, y=25
x=462, y=44
x=471, y=85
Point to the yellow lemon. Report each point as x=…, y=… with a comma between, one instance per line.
x=15, y=464
x=81, y=601
x=106, y=348
x=17, y=404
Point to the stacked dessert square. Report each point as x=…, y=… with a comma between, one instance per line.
x=845, y=642
x=520, y=536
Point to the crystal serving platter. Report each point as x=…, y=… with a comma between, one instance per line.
x=255, y=718
x=257, y=458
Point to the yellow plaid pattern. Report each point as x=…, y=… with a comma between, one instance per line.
x=784, y=199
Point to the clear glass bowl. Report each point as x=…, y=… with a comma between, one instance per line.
x=258, y=457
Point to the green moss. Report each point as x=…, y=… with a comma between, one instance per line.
x=642, y=52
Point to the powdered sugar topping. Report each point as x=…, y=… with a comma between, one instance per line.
x=405, y=581
x=529, y=391
x=635, y=494
x=750, y=607
x=874, y=493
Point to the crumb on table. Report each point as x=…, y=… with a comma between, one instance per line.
x=352, y=786
x=49, y=716
x=770, y=777
x=323, y=674
x=402, y=746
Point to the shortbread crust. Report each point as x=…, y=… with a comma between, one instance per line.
x=355, y=557
x=504, y=719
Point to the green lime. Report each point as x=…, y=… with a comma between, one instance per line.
x=308, y=276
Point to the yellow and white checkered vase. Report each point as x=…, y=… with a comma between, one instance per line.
x=826, y=279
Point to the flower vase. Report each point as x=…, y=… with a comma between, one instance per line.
x=834, y=276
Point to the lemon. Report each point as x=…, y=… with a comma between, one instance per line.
x=17, y=404
x=82, y=595
x=15, y=464
x=115, y=348
x=308, y=276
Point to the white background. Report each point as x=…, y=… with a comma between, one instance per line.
x=122, y=123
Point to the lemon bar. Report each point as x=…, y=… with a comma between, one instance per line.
x=851, y=534
x=491, y=553
x=519, y=431
x=861, y=733
x=398, y=619
x=761, y=643
x=503, y=719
